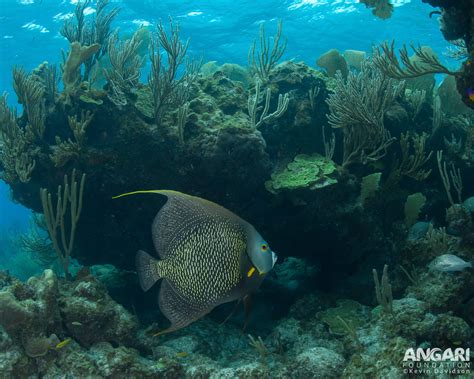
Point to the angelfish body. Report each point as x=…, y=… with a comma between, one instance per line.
x=209, y=256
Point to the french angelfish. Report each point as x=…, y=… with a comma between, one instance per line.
x=209, y=256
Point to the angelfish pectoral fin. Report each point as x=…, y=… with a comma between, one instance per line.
x=250, y=272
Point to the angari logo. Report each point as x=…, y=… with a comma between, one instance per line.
x=437, y=355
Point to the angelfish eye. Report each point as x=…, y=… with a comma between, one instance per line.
x=264, y=247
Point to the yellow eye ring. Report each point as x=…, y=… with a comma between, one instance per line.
x=264, y=247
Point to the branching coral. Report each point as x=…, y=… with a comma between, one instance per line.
x=30, y=93
x=415, y=98
x=69, y=149
x=124, y=74
x=36, y=241
x=412, y=163
x=254, y=107
x=357, y=106
x=16, y=146
x=262, y=62
x=426, y=63
x=69, y=200
x=182, y=117
x=383, y=290
x=166, y=88
x=77, y=30
x=47, y=75
x=258, y=345
x=451, y=177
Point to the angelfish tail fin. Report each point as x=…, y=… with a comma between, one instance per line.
x=148, y=269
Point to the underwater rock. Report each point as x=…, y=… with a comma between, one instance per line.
x=92, y=316
x=411, y=318
x=449, y=330
x=396, y=119
x=110, y=276
x=455, y=21
x=293, y=274
x=27, y=309
x=298, y=130
x=11, y=357
x=286, y=334
x=469, y=204
x=441, y=292
x=249, y=370
x=459, y=220
x=236, y=158
x=82, y=310
x=309, y=304
x=103, y=360
x=318, y=362
x=218, y=96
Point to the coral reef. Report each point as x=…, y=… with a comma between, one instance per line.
x=337, y=169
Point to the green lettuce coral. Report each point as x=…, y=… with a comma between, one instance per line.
x=304, y=172
x=347, y=314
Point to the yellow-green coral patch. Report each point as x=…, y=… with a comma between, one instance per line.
x=305, y=171
x=348, y=313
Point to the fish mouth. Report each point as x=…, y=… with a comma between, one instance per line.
x=274, y=258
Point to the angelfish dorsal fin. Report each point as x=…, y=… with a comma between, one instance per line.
x=179, y=214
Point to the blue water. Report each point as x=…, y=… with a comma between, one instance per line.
x=219, y=30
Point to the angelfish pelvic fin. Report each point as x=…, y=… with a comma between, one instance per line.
x=236, y=306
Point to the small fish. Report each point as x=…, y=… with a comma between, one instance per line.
x=182, y=354
x=449, y=263
x=470, y=94
x=76, y=323
x=209, y=256
x=63, y=343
